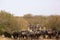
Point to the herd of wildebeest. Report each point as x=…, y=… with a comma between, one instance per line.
x=34, y=34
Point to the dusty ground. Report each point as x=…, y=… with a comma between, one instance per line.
x=3, y=38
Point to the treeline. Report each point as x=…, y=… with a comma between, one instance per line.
x=11, y=23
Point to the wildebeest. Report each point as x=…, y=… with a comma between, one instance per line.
x=38, y=33
x=24, y=33
x=50, y=34
x=57, y=34
x=16, y=34
x=20, y=34
x=35, y=34
x=44, y=33
x=6, y=34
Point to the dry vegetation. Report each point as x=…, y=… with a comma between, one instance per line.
x=12, y=23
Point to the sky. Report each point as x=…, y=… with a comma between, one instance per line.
x=35, y=7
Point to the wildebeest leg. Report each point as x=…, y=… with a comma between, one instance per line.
x=28, y=38
x=36, y=37
x=20, y=38
x=33, y=38
x=49, y=36
x=43, y=36
x=24, y=37
x=14, y=39
x=57, y=37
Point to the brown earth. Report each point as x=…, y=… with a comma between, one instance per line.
x=3, y=38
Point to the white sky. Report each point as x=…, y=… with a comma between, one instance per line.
x=35, y=7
